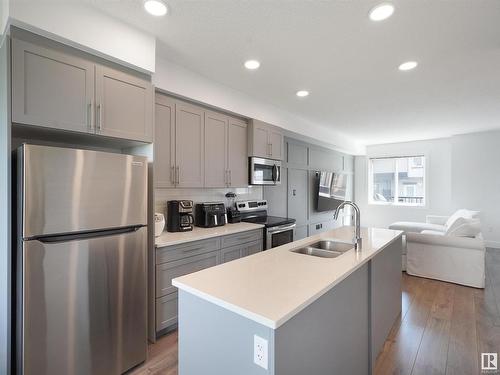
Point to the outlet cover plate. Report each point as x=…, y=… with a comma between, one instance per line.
x=260, y=351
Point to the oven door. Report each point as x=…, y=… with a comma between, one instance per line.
x=280, y=235
x=264, y=171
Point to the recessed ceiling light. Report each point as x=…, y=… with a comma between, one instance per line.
x=302, y=93
x=381, y=12
x=155, y=7
x=252, y=64
x=409, y=65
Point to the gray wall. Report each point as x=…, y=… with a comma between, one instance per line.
x=5, y=228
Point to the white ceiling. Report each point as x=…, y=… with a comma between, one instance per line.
x=347, y=62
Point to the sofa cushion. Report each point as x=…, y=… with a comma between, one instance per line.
x=462, y=213
x=463, y=227
x=433, y=232
x=414, y=227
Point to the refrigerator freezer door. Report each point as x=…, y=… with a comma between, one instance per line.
x=68, y=190
x=84, y=309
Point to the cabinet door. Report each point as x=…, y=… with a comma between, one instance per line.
x=124, y=105
x=297, y=194
x=167, y=271
x=166, y=311
x=189, y=145
x=164, y=146
x=260, y=140
x=216, y=170
x=51, y=89
x=325, y=160
x=276, y=144
x=231, y=253
x=237, y=153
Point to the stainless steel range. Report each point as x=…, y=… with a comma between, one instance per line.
x=278, y=230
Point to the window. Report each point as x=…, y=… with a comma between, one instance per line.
x=397, y=181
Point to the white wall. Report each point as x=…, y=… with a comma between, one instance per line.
x=438, y=161
x=462, y=172
x=476, y=178
x=86, y=28
x=180, y=81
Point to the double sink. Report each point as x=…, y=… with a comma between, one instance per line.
x=325, y=248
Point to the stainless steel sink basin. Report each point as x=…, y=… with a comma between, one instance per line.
x=308, y=250
x=333, y=245
x=325, y=248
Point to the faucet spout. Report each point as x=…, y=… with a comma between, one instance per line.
x=357, y=220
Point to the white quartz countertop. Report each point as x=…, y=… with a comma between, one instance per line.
x=174, y=238
x=272, y=286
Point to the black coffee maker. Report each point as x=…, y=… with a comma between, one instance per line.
x=180, y=216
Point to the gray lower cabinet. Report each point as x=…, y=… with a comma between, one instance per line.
x=166, y=311
x=182, y=259
x=51, y=89
x=124, y=105
x=58, y=87
x=168, y=271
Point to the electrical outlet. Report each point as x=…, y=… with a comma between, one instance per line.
x=260, y=355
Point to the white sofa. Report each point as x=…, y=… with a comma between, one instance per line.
x=445, y=248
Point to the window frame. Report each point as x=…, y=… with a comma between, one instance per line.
x=425, y=202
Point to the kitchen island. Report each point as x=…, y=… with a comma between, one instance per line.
x=279, y=312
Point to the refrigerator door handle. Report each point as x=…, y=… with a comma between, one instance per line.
x=85, y=235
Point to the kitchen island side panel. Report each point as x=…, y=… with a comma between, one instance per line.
x=386, y=280
x=330, y=336
x=216, y=341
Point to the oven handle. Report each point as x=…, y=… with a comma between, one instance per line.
x=281, y=228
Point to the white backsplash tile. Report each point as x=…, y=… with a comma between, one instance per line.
x=204, y=195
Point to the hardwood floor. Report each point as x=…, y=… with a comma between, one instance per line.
x=443, y=329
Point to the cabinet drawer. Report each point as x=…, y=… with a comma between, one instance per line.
x=253, y=248
x=242, y=237
x=167, y=271
x=188, y=249
x=231, y=253
x=166, y=311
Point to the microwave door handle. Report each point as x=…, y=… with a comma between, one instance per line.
x=278, y=173
x=275, y=173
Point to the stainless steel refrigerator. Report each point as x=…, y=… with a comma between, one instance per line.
x=81, y=261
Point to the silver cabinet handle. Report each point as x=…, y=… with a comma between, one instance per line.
x=172, y=176
x=230, y=178
x=225, y=177
x=98, y=117
x=90, y=116
x=177, y=175
x=271, y=153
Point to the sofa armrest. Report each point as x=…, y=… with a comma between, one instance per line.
x=436, y=219
x=451, y=241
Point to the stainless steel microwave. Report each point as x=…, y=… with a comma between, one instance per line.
x=264, y=171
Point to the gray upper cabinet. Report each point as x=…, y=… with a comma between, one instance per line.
x=51, y=89
x=237, y=153
x=57, y=87
x=325, y=160
x=297, y=154
x=276, y=144
x=123, y=105
x=164, y=139
x=189, y=145
x=216, y=169
x=265, y=140
x=196, y=147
